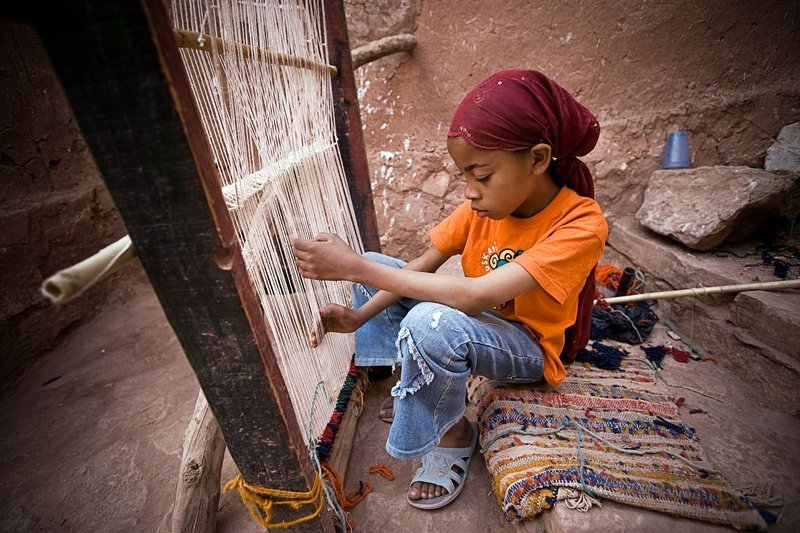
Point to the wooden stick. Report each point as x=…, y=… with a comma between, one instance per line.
x=205, y=43
x=703, y=291
x=383, y=47
x=343, y=445
x=349, y=132
x=197, y=496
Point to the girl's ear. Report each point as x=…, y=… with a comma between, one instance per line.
x=542, y=155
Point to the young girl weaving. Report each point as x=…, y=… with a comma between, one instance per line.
x=529, y=235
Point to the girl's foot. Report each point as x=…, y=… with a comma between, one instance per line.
x=441, y=477
x=462, y=437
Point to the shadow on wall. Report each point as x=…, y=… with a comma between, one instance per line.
x=54, y=209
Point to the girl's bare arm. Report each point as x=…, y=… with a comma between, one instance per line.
x=329, y=258
x=428, y=262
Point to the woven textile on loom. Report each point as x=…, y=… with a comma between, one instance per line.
x=530, y=460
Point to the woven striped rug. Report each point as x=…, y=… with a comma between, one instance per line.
x=602, y=434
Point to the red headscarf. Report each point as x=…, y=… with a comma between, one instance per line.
x=517, y=109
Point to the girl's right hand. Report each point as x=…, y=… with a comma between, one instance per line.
x=335, y=319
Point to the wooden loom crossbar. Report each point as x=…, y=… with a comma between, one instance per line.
x=201, y=41
x=122, y=72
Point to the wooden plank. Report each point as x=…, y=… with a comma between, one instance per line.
x=343, y=445
x=348, y=125
x=197, y=493
x=120, y=69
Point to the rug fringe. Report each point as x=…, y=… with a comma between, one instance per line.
x=577, y=500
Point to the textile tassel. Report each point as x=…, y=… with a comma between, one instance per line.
x=608, y=276
x=679, y=355
x=655, y=354
x=382, y=470
x=347, y=500
x=602, y=356
x=764, y=495
x=577, y=500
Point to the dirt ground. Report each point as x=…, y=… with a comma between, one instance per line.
x=93, y=431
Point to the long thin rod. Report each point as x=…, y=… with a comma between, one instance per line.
x=201, y=41
x=704, y=291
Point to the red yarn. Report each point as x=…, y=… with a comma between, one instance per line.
x=679, y=355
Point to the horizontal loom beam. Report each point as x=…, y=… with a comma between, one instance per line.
x=206, y=43
x=362, y=55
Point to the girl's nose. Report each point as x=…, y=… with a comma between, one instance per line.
x=471, y=192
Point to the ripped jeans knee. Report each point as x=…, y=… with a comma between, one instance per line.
x=439, y=348
x=430, y=343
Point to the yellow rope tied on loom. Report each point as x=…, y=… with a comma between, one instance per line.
x=261, y=501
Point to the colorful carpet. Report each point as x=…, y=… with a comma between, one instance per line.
x=616, y=435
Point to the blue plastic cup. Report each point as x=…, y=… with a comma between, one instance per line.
x=676, y=151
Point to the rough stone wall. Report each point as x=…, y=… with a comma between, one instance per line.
x=728, y=72
x=54, y=210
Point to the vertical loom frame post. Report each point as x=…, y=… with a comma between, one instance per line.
x=348, y=125
x=123, y=75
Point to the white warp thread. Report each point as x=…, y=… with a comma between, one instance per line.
x=272, y=133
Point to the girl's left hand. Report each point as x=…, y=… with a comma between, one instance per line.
x=327, y=257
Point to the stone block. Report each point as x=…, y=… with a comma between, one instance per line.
x=771, y=319
x=704, y=207
x=785, y=153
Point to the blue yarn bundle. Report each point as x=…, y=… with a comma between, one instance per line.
x=655, y=354
x=602, y=356
x=630, y=323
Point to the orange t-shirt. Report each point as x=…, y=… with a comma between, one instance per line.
x=557, y=246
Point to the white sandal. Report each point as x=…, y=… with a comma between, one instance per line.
x=438, y=469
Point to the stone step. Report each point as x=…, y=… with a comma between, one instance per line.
x=770, y=321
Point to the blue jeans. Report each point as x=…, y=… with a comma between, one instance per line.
x=438, y=347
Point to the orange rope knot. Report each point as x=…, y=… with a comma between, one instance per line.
x=347, y=501
x=382, y=470
x=260, y=501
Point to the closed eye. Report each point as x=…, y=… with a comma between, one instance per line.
x=483, y=178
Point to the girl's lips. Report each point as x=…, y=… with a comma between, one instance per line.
x=481, y=212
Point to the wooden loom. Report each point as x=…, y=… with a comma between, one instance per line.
x=121, y=70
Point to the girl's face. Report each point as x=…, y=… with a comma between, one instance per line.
x=500, y=183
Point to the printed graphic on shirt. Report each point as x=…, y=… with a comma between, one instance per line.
x=494, y=259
